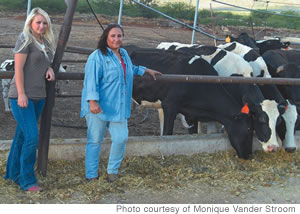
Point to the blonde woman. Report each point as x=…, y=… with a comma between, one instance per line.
x=34, y=51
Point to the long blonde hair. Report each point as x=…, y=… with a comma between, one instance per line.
x=27, y=31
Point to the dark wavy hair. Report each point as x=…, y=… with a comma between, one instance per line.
x=102, y=44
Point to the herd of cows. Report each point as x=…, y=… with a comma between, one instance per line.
x=269, y=111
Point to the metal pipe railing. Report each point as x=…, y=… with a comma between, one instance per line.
x=195, y=21
x=120, y=11
x=28, y=7
x=185, y=78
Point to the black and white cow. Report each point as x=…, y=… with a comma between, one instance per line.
x=271, y=92
x=7, y=65
x=215, y=56
x=261, y=45
x=230, y=64
x=256, y=62
x=198, y=102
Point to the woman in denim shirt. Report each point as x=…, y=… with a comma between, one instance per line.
x=106, y=100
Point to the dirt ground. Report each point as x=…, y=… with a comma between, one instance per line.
x=68, y=124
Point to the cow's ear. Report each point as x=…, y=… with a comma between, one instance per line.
x=245, y=109
x=251, y=105
x=282, y=107
x=227, y=39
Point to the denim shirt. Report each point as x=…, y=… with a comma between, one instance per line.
x=104, y=82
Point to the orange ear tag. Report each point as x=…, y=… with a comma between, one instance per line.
x=227, y=39
x=286, y=107
x=245, y=109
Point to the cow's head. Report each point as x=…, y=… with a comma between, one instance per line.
x=281, y=44
x=271, y=44
x=264, y=116
x=287, y=128
x=291, y=92
x=242, y=140
x=285, y=45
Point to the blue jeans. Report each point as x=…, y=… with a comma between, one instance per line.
x=22, y=155
x=95, y=135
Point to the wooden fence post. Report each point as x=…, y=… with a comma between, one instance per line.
x=45, y=125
